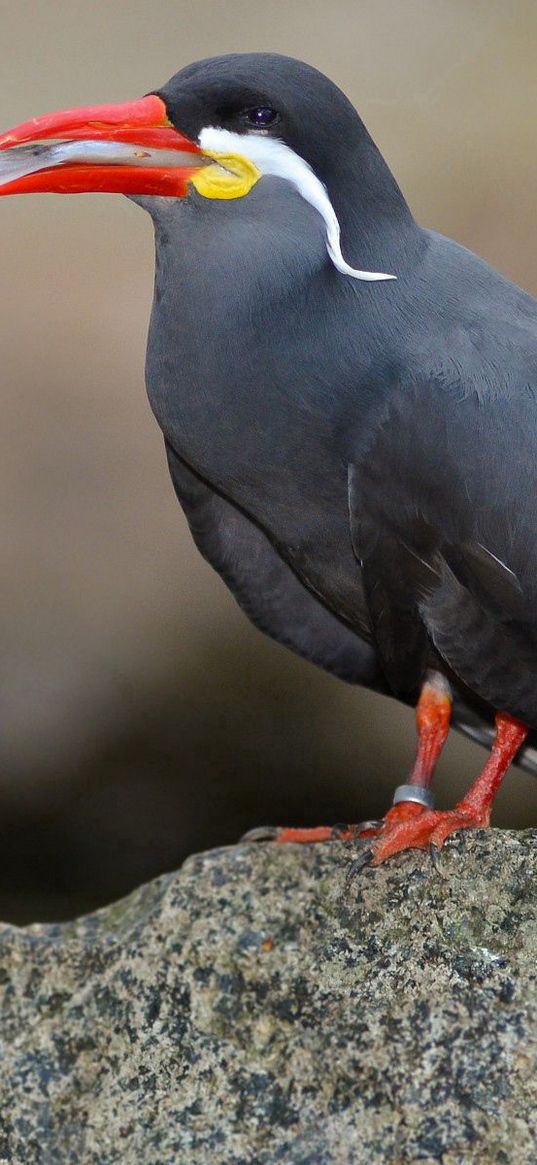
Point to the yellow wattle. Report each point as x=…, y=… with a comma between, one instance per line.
x=234, y=181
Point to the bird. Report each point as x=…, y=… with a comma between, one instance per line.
x=347, y=400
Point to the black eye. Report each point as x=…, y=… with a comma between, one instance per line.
x=262, y=117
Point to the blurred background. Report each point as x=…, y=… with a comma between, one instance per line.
x=141, y=717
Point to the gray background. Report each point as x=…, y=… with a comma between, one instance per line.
x=140, y=716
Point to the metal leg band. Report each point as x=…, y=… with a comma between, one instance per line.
x=416, y=793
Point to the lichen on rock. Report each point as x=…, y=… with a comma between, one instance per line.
x=283, y=1004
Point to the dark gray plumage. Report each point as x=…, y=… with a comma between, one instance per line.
x=356, y=459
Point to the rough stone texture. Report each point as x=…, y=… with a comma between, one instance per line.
x=286, y=1005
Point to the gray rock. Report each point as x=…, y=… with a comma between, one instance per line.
x=272, y=1004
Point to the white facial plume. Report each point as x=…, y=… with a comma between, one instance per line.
x=274, y=157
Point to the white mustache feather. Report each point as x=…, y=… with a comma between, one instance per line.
x=274, y=157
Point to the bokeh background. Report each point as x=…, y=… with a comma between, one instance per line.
x=141, y=717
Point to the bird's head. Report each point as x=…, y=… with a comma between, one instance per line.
x=217, y=128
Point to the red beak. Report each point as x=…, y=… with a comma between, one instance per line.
x=130, y=148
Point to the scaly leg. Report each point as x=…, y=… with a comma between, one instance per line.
x=473, y=812
x=433, y=716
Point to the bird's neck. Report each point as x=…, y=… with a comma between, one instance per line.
x=378, y=231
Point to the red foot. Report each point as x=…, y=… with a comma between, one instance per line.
x=399, y=814
x=428, y=828
x=409, y=825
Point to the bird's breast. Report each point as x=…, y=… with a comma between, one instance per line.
x=250, y=380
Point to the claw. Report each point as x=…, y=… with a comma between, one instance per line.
x=357, y=865
x=260, y=833
x=368, y=828
x=435, y=860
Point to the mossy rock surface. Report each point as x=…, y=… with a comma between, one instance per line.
x=283, y=1004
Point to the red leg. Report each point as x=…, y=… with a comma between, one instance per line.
x=473, y=812
x=433, y=716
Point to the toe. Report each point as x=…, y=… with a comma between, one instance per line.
x=283, y=835
x=318, y=833
x=430, y=828
x=449, y=823
x=398, y=836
